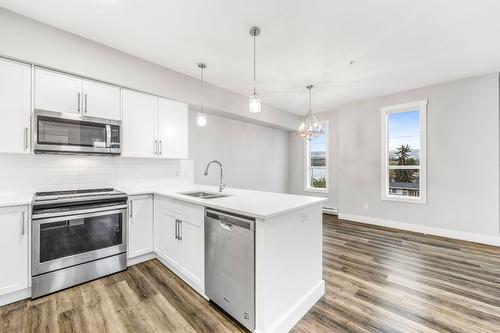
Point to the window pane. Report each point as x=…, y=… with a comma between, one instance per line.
x=404, y=138
x=318, y=178
x=404, y=182
x=317, y=149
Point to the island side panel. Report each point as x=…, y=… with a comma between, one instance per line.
x=289, y=273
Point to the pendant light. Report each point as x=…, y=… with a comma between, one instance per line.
x=310, y=126
x=254, y=100
x=201, y=119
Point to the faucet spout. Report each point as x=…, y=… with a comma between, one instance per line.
x=221, y=184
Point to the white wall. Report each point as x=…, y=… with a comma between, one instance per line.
x=33, y=41
x=462, y=161
x=462, y=158
x=296, y=154
x=254, y=157
x=26, y=174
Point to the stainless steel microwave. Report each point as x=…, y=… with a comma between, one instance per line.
x=63, y=133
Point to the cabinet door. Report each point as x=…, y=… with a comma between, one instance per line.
x=57, y=92
x=14, y=249
x=193, y=251
x=165, y=242
x=172, y=128
x=140, y=225
x=15, y=107
x=101, y=100
x=139, y=115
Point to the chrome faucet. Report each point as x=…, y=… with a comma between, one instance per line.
x=221, y=185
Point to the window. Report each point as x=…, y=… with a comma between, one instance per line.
x=403, y=152
x=316, y=175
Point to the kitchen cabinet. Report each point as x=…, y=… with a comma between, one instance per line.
x=172, y=129
x=166, y=243
x=56, y=91
x=14, y=223
x=179, y=239
x=101, y=100
x=140, y=225
x=60, y=92
x=153, y=126
x=139, y=113
x=15, y=107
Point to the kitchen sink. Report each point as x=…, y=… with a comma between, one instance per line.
x=205, y=195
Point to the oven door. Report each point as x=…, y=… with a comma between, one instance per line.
x=66, y=133
x=61, y=242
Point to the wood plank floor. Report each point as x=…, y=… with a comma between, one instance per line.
x=377, y=280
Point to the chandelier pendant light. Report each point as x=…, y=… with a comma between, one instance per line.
x=310, y=127
x=201, y=118
x=254, y=105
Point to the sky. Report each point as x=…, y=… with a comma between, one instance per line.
x=404, y=129
x=319, y=143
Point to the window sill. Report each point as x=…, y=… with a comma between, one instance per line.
x=316, y=190
x=420, y=200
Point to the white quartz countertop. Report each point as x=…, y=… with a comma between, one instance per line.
x=7, y=200
x=258, y=204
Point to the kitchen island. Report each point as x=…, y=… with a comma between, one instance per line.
x=288, y=245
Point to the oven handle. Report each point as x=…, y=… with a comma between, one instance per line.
x=78, y=214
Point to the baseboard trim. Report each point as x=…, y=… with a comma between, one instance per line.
x=293, y=316
x=141, y=258
x=15, y=296
x=453, y=234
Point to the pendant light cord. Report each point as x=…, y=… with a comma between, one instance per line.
x=201, y=90
x=254, y=65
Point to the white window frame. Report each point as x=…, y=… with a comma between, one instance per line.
x=307, y=167
x=386, y=111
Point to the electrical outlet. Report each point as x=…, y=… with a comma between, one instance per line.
x=304, y=217
x=365, y=206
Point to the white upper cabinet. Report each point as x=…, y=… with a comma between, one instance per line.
x=101, y=100
x=15, y=107
x=139, y=118
x=153, y=126
x=14, y=224
x=60, y=92
x=172, y=129
x=140, y=225
x=57, y=92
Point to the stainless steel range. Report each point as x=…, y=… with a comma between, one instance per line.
x=77, y=236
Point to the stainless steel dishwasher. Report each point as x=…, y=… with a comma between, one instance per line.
x=230, y=264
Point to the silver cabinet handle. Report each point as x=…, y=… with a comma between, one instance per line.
x=161, y=147
x=176, y=229
x=180, y=230
x=156, y=147
x=85, y=99
x=131, y=208
x=78, y=102
x=23, y=231
x=26, y=138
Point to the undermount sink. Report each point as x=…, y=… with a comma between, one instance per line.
x=205, y=195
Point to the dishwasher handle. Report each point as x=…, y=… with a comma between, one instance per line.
x=228, y=220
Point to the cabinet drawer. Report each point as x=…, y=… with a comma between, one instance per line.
x=179, y=207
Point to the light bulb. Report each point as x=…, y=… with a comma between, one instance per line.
x=201, y=119
x=254, y=104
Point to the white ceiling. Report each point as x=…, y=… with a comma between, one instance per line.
x=395, y=44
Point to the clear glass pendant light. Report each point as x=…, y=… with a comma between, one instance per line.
x=201, y=119
x=310, y=127
x=254, y=100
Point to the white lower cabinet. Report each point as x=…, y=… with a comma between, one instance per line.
x=140, y=225
x=179, y=239
x=14, y=223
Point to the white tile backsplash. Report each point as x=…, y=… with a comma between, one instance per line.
x=32, y=173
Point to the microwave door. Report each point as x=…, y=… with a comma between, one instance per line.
x=60, y=134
